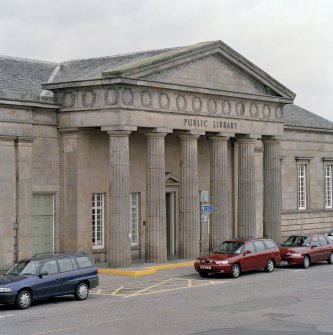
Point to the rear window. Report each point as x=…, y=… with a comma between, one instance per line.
x=65, y=264
x=84, y=262
x=269, y=244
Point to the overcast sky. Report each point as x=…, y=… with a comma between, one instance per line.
x=292, y=40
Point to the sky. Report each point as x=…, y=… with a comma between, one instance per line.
x=291, y=40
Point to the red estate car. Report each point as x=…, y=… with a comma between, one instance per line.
x=239, y=255
x=304, y=250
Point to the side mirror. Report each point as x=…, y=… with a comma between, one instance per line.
x=247, y=252
x=314, y=245
x=43, y=273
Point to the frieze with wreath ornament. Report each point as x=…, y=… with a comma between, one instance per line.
x=211, y=106
x=226, y=107
x=181, y=102
x=278, y=113
x=146, y=98
x=240, y=110
x=266, y=112
x=254, y=110
x=196, y=104
x=88, y=98
x=69, y=100
x=127, y=96
x=163, y=100
x=111, y=96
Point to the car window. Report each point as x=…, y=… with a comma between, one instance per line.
x=250, y=247
x=84, y=262
x=65, y=264
x=314, y=241
x=306, y=242
x=294, y=241
x=230, y=247
x=24, y=268
x=323, y=240
x=50, y=267
x=259, y=245
x=269, y=244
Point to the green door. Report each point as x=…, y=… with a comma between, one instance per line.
x=42, y=223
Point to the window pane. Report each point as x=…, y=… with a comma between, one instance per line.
x=97, y=220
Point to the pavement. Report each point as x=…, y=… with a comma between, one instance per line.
x=144, y=269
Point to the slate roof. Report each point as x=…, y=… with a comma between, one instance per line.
x=24, y=75
x=27, y=76
x=296, y=116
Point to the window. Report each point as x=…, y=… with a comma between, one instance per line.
x=50, y=267
x=98, y=220
x=328, y=185
x=135, y=218
x=84, y=262
x=250, y=247
x=302, y=186
x=323, y=240
x=65, y=264
x=259, y=245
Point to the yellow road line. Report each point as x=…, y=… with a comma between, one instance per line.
x=148, y=288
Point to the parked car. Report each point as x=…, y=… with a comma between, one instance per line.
x=48, y=275
x=304, y=250
x=235, y=256
x=330, y=234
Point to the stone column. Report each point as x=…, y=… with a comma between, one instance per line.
x=119, y=242
x=156, y=246
x=272, y=189
x=24, y=197
x=7, y=200
x=76, y=204
x=189, y=198
x=219, y=190
x=246, y=189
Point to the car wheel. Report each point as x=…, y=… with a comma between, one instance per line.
x=23, y=299
x=269, y=266
x=81, y=291
x=306, y=262
x=203, y=274
x=235, y=271
x=330, y=259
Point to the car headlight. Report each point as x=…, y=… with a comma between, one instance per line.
x=5, y=289
x=197, y=261
x=222, y=262
x=296, y=255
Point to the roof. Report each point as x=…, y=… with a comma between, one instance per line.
x=296, y=116
x=24, y=75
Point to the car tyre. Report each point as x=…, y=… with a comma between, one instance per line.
x=81, y=291
x=235, y=271
x=306, y=262
x=269, y=266
x=23, y=299
x=330, y=259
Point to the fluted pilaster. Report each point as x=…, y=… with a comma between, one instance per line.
x=246, y=189
x=272, y=189
x=189, y=201
x=119, y=243
x=156, y=247
x=219, y=190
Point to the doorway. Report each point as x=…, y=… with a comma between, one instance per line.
x=170, y=207
x=42, y=223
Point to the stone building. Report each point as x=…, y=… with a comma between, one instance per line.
x=115, y=155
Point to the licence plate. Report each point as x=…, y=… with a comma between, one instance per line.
x=205, y=267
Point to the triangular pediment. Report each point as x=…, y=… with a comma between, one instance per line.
x=211, y=72
x=210, y=65
x=171, y=179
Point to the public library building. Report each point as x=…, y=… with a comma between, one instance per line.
x=114, y=155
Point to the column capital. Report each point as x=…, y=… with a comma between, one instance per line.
x=69, y=130
x=219, y=138
x=155, y=135
x=118, y=128
x=189, y=137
